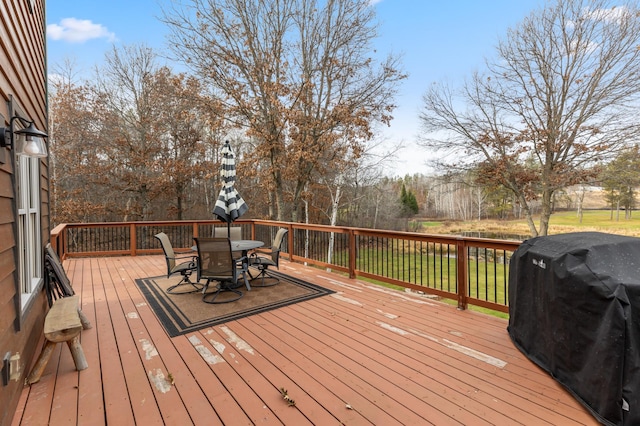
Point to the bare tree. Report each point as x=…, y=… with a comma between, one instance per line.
x=297, y=74
x=185, y=157
x=345, y=182
x=239, y=47
x=341, y=93
x=78, y=194
x=125, y=83
x=560, y=97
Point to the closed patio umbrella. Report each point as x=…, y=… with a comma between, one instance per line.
x=229, y=205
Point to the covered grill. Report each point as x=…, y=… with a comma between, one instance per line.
x=575, y=311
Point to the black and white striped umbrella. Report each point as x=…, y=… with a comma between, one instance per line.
x=229, y=205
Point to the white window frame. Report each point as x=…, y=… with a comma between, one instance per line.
x=29, y=238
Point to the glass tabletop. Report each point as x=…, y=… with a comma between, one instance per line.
x=244, y=245
x=241, y=245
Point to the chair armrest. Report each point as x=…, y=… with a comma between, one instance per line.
x=193, y=258
x=258, y=260
x=240, y=259
x=262, y=250
x=185, y=253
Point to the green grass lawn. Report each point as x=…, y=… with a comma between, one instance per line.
x=599, y=220
x=560, y=222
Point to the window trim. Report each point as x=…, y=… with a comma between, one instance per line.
x=29, y=230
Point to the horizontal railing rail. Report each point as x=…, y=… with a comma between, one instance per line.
x=473, y=271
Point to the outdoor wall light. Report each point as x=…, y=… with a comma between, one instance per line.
x=28, y=141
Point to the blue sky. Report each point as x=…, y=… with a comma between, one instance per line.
x=439, y=40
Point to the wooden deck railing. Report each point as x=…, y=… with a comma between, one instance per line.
x=470, y=270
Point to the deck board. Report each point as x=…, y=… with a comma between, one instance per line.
x=91, y=408
x=412, y=383
x=363, y=356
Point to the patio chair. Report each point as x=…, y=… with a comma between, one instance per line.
x=216, y=263
x=263, y=263
x=175, y=266
x=234, y=233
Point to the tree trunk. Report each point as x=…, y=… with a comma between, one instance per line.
x=126, y=211
x=529, y=215
x=334, y=219
x=375, y=214
x=277, y=195
x=581, y=202
x=545, y=214
x=272, y=201
x=179, y=207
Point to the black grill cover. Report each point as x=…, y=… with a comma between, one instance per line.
x=575, y=311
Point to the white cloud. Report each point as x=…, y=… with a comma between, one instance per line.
x=55, y=78
x=374, y=2
x=78, y=31
x=615, y=14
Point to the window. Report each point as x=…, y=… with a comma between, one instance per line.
x=29, y=229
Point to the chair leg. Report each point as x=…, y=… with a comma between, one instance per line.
x=185, y=280
x=245, y=272
x=221, y=287
x=264, y=273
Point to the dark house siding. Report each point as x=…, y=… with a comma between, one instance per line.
x=22, y=88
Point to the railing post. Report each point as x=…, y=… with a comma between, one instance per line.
x=53, y=240
x=461, y=276
x=57, y=240
x=289, y=241
x=132, y=239
x=64, y=243
x=352, y=253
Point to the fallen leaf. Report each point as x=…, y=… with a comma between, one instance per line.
x=287, y=398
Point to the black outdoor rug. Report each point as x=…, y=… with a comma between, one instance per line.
x=184, y=313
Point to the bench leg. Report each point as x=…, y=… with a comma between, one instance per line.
x=41, y=363
x=77, y=353
x=86, y=324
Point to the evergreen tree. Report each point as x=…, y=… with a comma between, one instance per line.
x=408, y=201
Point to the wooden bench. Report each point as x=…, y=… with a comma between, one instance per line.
x=62, y=324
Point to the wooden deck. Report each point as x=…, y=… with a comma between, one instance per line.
x=364, y=355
